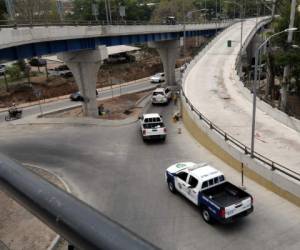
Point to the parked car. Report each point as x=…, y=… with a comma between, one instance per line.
x=161, y=96
x=152, y=127
x=157, y=78
x=171, y=20
x=2, y=69
x=77, y=97
x=206, y=187
x=62, y=70
x=183, y=67
x=37, y=62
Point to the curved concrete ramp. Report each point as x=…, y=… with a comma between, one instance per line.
x=212, y=88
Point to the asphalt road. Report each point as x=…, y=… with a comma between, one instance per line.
x=112, y=169
x=140, y=85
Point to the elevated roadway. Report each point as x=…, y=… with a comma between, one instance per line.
x=26, y=42
x=211, y=85
x=83, y=48
x=213, y=88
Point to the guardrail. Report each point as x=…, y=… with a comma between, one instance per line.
x=76, y=221
x=274, y=166
x=43, y=22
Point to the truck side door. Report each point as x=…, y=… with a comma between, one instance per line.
x=192, y=189
x=180, y=182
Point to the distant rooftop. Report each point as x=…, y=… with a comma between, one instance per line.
x=111, y=50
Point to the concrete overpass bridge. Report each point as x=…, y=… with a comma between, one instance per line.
x=83, y=48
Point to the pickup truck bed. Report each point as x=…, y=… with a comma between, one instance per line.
x=225, y=194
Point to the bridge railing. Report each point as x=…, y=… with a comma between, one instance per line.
x=272, y=165
x=43, y=22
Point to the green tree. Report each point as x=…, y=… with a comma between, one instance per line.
x=177, y=8
x=14, y=72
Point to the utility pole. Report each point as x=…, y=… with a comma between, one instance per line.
x=106, y=11
x=184, y=32
x=109, y=11
x=10, y=9
x=273, y=8
x=286, y=72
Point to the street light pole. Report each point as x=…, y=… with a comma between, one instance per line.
x=257, y=53
x=286, y=70
x=241, y=18
x=184, y=28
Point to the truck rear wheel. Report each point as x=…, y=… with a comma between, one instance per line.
x=171, y=187
x=206, y=215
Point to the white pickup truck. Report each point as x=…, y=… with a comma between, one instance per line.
x=152, y=127
x=206, y=187
x=161, y=96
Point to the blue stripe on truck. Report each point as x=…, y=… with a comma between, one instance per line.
x=214, y=209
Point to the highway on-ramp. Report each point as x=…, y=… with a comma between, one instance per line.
x=212, y=88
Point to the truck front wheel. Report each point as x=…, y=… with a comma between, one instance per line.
x=171, y=187
x=206, y=215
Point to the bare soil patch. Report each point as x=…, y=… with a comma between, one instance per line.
x=117, y=108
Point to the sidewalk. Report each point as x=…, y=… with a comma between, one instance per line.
x=212, y=88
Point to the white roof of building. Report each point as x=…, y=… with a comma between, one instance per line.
x=111, y=50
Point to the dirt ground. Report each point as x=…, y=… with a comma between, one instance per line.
x=117, y=108
x=19, y=229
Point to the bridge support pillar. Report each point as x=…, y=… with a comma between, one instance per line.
x=84, y=65
x=168, y=51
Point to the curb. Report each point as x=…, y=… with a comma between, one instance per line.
x=57, y=238
x=86, y=121
x=274, y=182
x=64, y=97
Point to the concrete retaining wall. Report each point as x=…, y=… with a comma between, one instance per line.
x=275, y=113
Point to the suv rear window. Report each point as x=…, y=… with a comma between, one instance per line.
x=153, y=125
x=158, y=93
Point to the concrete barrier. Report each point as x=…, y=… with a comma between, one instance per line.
x=272, y=180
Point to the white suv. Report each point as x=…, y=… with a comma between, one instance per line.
x=161, y=95
x=157, y=78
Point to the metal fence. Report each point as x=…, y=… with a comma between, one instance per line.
x=274, y=166
x=66, y=22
